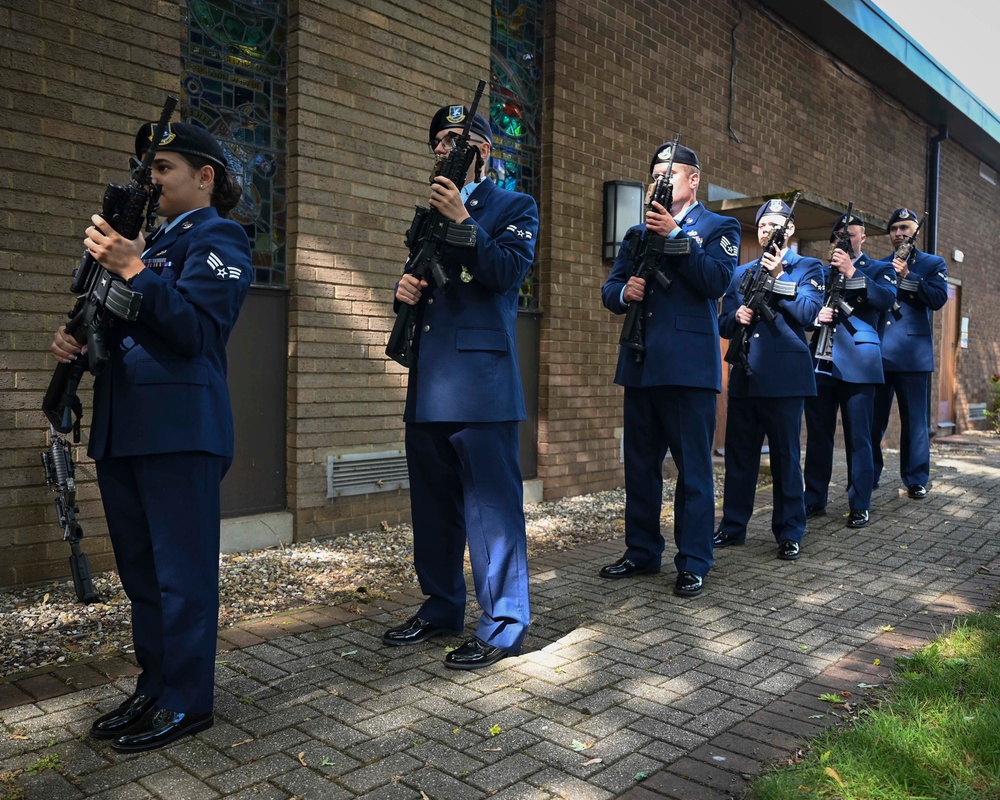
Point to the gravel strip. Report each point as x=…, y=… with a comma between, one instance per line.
x=45, y=625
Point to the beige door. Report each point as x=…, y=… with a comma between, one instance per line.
x=750, y=250
x=948, y=356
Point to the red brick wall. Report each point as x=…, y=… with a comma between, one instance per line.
x=363, y=77
x=970, y=222
x=621, y=78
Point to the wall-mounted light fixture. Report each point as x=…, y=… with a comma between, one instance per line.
x=623, y=208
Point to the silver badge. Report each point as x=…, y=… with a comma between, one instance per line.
x=473, y=203
x=186, y=224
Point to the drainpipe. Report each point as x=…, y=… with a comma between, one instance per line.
x=934, y=188
x=933, y=204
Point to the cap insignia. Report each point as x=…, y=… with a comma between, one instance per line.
x=168, y=134
x=775, y=205
x=904, y=214
x=665, y=153
x=455, y=113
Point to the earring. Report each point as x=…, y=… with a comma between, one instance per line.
x=201, y=186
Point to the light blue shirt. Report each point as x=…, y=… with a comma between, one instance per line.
x=162, y=230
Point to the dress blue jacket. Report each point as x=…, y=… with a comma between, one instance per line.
x=466, y=368
x=682, y=322
x=857, y=357
x=164, y=389
x=907, y=343
x=779, y=353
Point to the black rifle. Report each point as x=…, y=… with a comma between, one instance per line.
x=907, y=251
x=823, y=339
x=646, y=252
x=59, y=477
x=757, y=288
x=426, y=239
x=101, y=293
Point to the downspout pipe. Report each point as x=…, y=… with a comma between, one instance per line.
x=934, y=188
x=933, y=204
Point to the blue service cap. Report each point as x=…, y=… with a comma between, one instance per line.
x=454, y=117
x=842, y=222
x=775, y=206
x=685, y=155
x=184, y=138
x=903, y=215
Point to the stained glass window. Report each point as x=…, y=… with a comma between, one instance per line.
x=516, y=107
x=234, y=81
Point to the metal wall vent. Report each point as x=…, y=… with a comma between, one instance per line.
x=366, y=473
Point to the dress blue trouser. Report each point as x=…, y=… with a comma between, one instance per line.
x=682, y=419
x=163, y=515
x=911, y=390
x=465, y=486
x=856, y=404
x=748, y=421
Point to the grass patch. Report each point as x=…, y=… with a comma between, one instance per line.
x=935, y=736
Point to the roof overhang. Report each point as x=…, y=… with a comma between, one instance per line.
x=815, y=215
x=862, y=36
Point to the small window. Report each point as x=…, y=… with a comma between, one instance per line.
x=987, y=173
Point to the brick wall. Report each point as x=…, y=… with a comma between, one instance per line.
x=970, y=213
x=364, y=79
x=70, y=96
x=621, y=79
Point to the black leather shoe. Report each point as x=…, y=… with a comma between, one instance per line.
x=626, y=568
x=875, y=485
x=916, y=491
x=815, y=511
x=688, y=585
x=858, y=518
x=161, y=728
x=474, y=654
x=788, y=550
x=414, y=631
x=726, y=540
x=117, y=722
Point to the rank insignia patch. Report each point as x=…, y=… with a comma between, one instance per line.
x=730, y=248
x=222, y=272
x=520, y=233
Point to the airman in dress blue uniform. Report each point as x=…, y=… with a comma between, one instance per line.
x=463, y=403
x=162, y=432
x=856, y=371
x=670, y=394
x=769, y=401
x=908, y=356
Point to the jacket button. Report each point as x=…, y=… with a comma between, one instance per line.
x=430, y=301
x=649, y=314
x=426, y=328
x=756, y=336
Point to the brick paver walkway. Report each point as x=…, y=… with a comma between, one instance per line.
x=623, y=691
